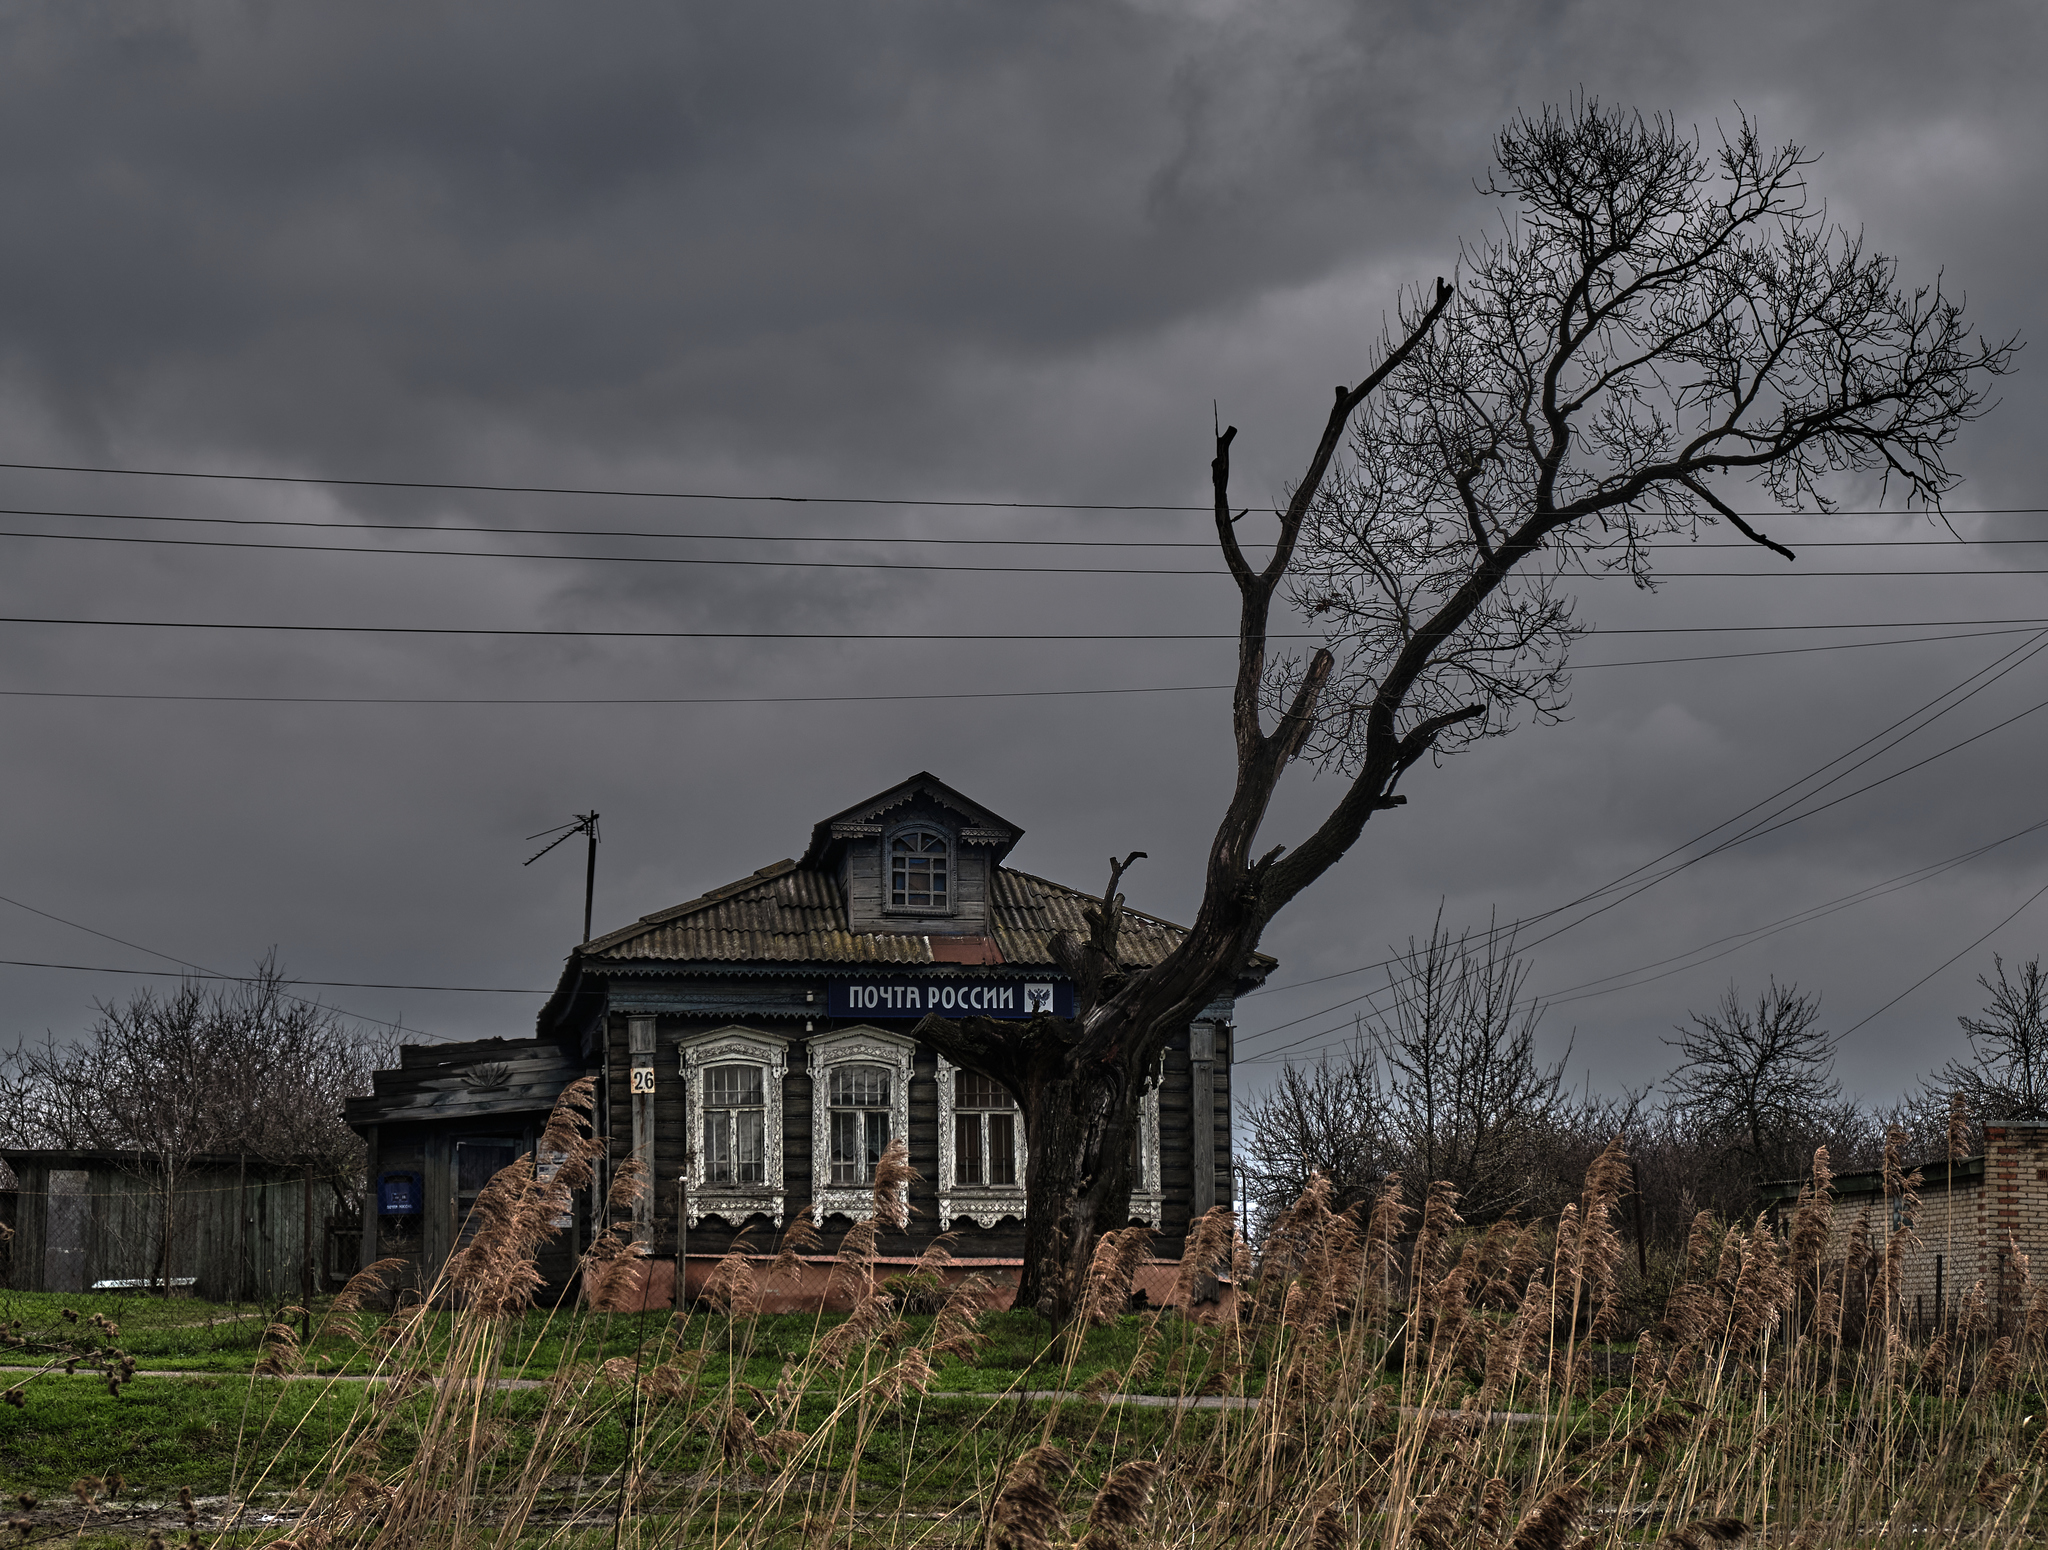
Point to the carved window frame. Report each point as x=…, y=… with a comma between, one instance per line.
x=734, y=1046
x=862, y=1045
x=987, y=1204
x=1148, y=1188
x=983, y=1204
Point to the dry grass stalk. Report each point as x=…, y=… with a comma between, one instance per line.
x=1120, y=1504
x=893, y=1177
x=1548, y=1524
x=1026, y=1511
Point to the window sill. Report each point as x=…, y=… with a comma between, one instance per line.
x=734, y=1203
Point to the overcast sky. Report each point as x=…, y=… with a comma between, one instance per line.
x=903, y=250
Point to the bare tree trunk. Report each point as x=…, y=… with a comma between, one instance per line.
x=1078, y=1130
x=164, y=1255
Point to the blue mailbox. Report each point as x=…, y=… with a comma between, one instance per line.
x=398, y=1194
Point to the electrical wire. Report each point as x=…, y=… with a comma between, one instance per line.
x=249, y=979
x=2002, y=665
x=913, y=635
x=202, y=971
x=1204, y=508
x=857, y=699
x=1208, y=544
x=749, y=562
x=1691, y=959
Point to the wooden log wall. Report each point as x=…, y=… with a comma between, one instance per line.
x=799, y=1148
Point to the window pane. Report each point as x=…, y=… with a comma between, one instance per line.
x=1002, y=1148
x=967, y=1149
x=971, y=1090
x=750, y=1132
x=718, y=1160
x=918, y=867
x=476, y=1161
x=733, y=1087
x=877, y=1128
x=846, y=1149
x=860, y=1087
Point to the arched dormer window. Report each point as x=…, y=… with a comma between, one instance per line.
x=920, y=863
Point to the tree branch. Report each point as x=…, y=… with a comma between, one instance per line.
x=1736, y=522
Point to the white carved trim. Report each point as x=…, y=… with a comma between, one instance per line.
x=734, y=1046
x=862, y=1045
x=1148, y=1194
x=983, y=1204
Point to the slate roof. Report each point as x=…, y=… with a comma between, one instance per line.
x=786, y=913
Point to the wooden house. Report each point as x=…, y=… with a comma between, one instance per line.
x=755, y=1050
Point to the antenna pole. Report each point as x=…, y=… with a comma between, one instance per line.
x=589, y=870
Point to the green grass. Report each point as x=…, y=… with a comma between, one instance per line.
x=220, y=1427
x=181, y=1335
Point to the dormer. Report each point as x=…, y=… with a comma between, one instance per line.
x=915, y=859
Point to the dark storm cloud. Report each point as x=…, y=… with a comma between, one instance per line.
x=924, y=249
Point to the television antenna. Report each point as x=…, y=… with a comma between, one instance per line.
x=585, y=823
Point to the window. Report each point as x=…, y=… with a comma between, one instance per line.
x=860, y=1122
x=984, y=1131
x=860, y=1087
x=477, y=1162
x=732, y=1084
x=920, y=871
x=735, y=1125
x=981, y=1149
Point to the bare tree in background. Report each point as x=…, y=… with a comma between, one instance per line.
x=1330, y=1119
x=2006, y=1076
x=2009, y=1076
x=1756, y=1085
x=1445, y=1085
x=1652, y=319
x=204, y=1069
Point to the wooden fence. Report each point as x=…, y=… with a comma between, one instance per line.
x=241, y=1229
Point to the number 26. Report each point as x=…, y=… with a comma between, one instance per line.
x=643, y=1079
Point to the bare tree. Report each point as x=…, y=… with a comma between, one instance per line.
x=201, y=1069
x=1651, y=319
x=2006, y=1076
x=1330, y=1119
x=1755, y=1086
x=1444, y=1086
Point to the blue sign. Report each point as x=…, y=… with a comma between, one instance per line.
x=398, y=1194
x=895, y=996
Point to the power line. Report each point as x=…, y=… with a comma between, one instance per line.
x=249, y=979
x=1585, y=990
x=1740, y=940
x=749, y=562
x=880, y=635
x=1946, y=963
x=2003, y=664
x=835, y=699
x=1204, y=508
x=202, y=970
x=1207, y=544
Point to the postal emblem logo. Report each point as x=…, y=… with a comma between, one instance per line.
x=1038, y=998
